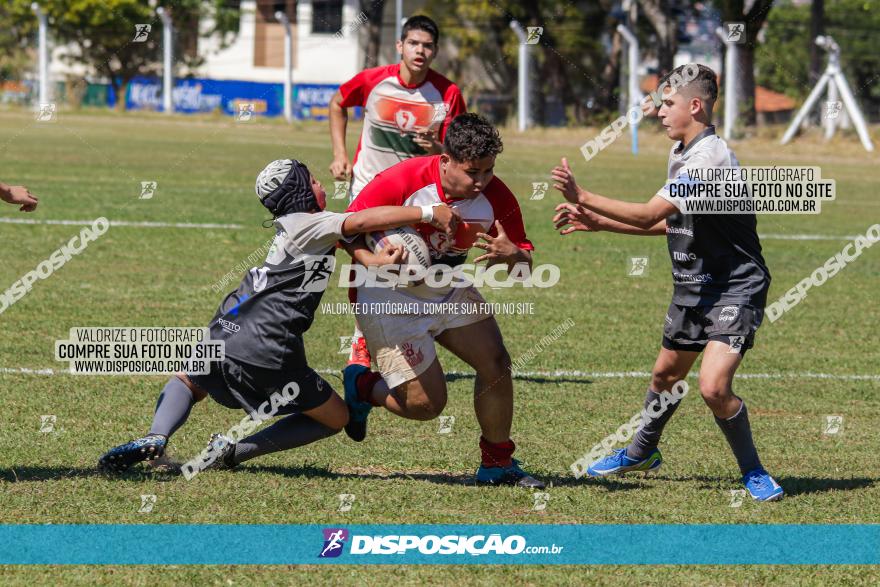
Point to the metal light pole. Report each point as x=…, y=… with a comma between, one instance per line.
x=635, y=95
x=522, y=77
x=398, y=19
x=43, y=51
x=730, y=97
x=167, y=48
x=288, y=64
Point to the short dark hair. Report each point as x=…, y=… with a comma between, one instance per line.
x=420, y=23
x=471, y=137
x=703, y=85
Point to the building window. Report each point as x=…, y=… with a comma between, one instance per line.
x=326, y=16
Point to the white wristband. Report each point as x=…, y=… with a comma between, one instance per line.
x=427, y=213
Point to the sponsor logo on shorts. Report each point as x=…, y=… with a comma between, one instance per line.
x=228, y=326
x=728, y=314
x=413, y=356
x=677, y=230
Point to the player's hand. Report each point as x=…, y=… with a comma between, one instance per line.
x=390, y=255
x=563, y=180
x=427, y=139
x=649, y=109
x=576, y=218
x=446, y=219
x=499, y=249
x=19, y=195
x=340, y=167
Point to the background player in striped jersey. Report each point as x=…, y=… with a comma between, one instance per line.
x=407, y=109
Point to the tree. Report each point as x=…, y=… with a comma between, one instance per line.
x=102, y=32
x=373, y=9
x=568, y=57
x=754, y=18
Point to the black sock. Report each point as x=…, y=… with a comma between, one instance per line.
x=289, y=432
x=173, y=408
x=647, y=439
x=738, y=432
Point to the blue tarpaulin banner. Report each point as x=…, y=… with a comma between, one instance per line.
x=195, y=95
x=618, y=544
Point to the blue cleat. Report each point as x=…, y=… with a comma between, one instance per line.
x=356, y=429
x=761, y=486
x=120, y=458
x=512, y=475
x=617, y=462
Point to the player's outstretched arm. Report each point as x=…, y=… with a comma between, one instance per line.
x=572, y=218
x=18, y=195
x=644, y=216
x=340, y=167
x=440, y=216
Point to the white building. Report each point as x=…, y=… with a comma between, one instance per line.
x=325, y=43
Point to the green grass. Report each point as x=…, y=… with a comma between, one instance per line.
x=90, y=165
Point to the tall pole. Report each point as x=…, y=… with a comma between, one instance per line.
x=398, y=19
x=167, y=48
x=522, y=77
x=43, y=52
x=288, y=64
x=730, y=107
x=635, y=95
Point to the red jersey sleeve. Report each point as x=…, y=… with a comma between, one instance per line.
x=388, y=188
x=356, y=90
x=508, y=213
x=457, y=106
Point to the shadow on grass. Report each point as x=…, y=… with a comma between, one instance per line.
x=29, y=474
x=796, y=485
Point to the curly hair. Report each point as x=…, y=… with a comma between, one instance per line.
x=471, y=137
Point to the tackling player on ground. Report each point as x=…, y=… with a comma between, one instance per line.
x=262, y=323
x=407, y=108
x=719, y=276
x=412, y=383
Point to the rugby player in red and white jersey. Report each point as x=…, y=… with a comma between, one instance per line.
x=410, y=381
x=408, y=107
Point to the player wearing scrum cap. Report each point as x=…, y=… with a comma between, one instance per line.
x=719, y=276
x=262, y=323
x=411, y=382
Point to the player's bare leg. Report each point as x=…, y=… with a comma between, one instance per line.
x=481, y=346
x=716, y=379
x=422, y=398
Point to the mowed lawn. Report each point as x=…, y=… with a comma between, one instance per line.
x=90, y=165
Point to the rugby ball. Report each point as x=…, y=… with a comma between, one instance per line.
x=406, y=237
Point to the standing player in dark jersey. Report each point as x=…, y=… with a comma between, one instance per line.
x=720, y=282
x=263, y=321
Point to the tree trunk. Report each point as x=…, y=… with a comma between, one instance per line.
x=374, y=9
x=817, y=27
x=734, y=11
x=608, y=98
x=659, y=14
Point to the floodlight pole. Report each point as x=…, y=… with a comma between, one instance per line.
x=288, y=64
x=522, y=77
x=730, y=98
x=43, y=52
x=635, y=95
x=167, y=48
x=833, y=76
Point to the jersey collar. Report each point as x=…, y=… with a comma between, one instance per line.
x=403, y=83
x=708, y=132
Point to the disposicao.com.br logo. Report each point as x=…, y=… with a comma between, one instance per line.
x=453, y=544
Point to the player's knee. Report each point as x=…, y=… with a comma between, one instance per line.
x=714, y=390
x=664, y=379
x=198, y=393
x=427, y=408
x=496, y=364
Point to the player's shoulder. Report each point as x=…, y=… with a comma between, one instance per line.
x=298, y=221
x=373, y=75
x=442, y=83
x=499, y=195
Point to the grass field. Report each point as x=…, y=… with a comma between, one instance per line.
x=88, y=165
